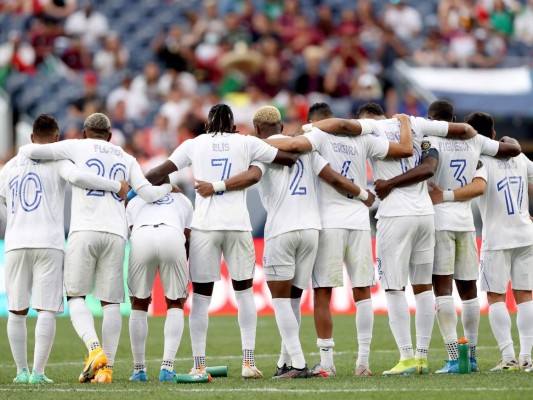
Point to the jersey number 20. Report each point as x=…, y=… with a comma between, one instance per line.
x=116, y=169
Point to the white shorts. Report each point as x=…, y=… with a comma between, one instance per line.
x=153, y=247
x=405, y=250
x=456, y=254
x=498, y=266
x=290, y=256
x=37, y=273
x=95, y=260
x=206, y=249
x=338, y=246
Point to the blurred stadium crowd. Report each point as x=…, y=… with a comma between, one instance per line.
x=157, y=66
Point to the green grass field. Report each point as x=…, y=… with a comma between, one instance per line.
x=67, y=357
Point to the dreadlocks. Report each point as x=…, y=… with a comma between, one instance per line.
x=220, y=119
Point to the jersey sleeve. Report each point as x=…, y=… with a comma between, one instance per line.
x=487, y=146
x=376, y=146
x=317, y=162
x=260, y=151
x=259, y=165
x=529, y=169
x=316, y=137
x=481, y=171
x=429, y=128
x=142, y=187
x=428, y=149
x=71, y=173
x=63, y=150
x=181, y=157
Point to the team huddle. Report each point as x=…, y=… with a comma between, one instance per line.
x=314, y=188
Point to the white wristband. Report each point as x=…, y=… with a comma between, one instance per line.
x=363, y=195
x=366, y=126
x=219, y=186
x=448, y=195
x=307, y=127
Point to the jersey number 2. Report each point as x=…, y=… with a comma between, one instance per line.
x=295, y=187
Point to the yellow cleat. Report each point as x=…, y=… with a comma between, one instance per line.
x=96, y=360
x=422, y=366
x=104, y=375
x=405, y=367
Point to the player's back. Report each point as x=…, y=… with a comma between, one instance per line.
x=35, y=196
x=289, y=194
x=504, y=207
x=97, y=210
x=458, y=161
x=215, y=157
x=175, y=210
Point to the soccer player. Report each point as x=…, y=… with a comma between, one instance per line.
x=507, y=246
x=456, y=256
x=34, y=193
x=291, y=232
x=159, y=241
x=345, y=235
x=221, y=224
x=96, y=242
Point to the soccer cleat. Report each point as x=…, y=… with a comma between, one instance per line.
x=166, y=376
x=196, y=371
x=104, y=375
x=405, y=367
x=473, y=364
x=361, y=370
x=506, y=366
x=250, y=372
x=22, y=377
x=526, y=365
x=37, y=379
x=139, y=376
x=295, y=373
x=451, y=367
x=319, y=371
x=422, y=366
x=281, y=371
x=96, y=360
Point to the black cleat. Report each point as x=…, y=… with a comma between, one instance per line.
x=281, y=371
x=295, y=373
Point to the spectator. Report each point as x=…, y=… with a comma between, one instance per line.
x=136, y=102
x=42, y=37
x=88, y=24
x=404, y=20
x=175, y=108
x=235, y=32
x=113, y=57
x=311, y=80
x=169, y=49
x=462, y=45
x=76, y=56
x=17, y=54
x=523, y=24
x=432, y=53
x=270, y=79
x=501, y=18
x=148, y=82
x=90, y=98
x=411, y=105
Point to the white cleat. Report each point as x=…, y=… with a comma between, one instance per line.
x=250, y=372
x=319, y=371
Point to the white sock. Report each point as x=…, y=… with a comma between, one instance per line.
x=288, y=329
x=296, y=309
x=173, y=331
x=364, y=322
x=524, y=321
x=400, y=322
x=247, y=316
x=470, y=319
x=198, y=323
x=500, y=322
x=326, y=351
x=45, y=331
x=83, y=322
x=138, y=326
x=111, y=327
x=17, y=335
x=447, y=320
x=424, y=319
x=284, y=357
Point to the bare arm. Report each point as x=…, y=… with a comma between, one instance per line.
x=339, y=126
x=460, y=131
x=285, y=158
x=157, y=174
x=238, y=182
x=404, y=148
x=420, y=173
x=509, y=147
x=295, y=144
x=343, y=185
x=474, y=189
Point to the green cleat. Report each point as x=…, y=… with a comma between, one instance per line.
x=422, y=366
x=22, y=377
x=506, y=366
x=405, y=367
x=37, y=379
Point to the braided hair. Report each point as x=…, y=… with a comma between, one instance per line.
x=220, y=119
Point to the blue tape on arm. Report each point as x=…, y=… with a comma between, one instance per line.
x=131, y=195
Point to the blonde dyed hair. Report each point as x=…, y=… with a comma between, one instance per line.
x=267, y=115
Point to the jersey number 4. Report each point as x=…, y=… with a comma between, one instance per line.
x=114, y=172
x=226, y=169
x=506, y=185
x=27, y=192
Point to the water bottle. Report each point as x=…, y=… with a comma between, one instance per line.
x=201, y=377
x=464, y=356
x=220, y=371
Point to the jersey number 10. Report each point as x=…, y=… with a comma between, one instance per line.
x=28, y=191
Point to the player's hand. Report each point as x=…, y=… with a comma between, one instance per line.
x=382, y=188
x=124, y=189
x=204, y=189
x=176, y=189
x=436, y=193
x=401, y=116
x=371, y=199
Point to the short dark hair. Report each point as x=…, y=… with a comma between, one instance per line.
x=220, y=119
x=45, y=125
x=319, y=111
x=482, y=122
x=441, y=110
x=371, y=109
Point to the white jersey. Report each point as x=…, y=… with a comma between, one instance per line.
x=346, y=155
x=175, y=210
x=504, y=207
x=407, y=200
x=215, y=157
x=95, y=210
x=458, y=160
x=289, y=194
x=34, y=192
